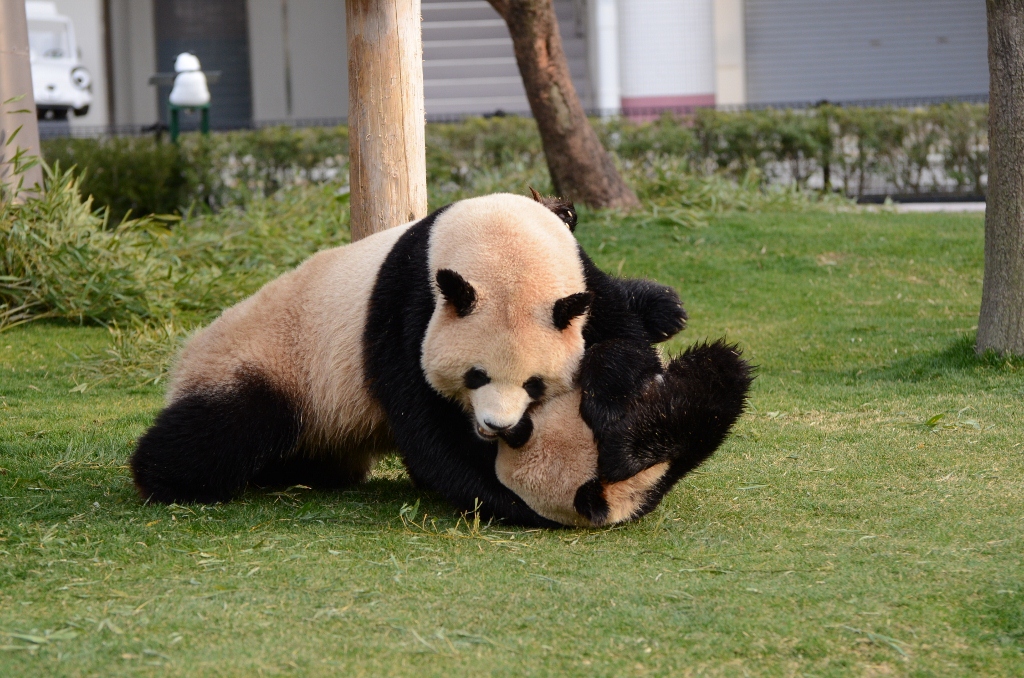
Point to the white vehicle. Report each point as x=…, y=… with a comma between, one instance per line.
x=60, y=82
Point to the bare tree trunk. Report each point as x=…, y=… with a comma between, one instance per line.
x=580, y=168
x=16, y=81
x=387, y=149
x=1001, y=323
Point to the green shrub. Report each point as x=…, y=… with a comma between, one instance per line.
x=965, y=152
x=484, y=155
x=129, y=174
x=58, y=259
x=263, y=161
x=669, y=135
x=856, y=151
x=146, y=176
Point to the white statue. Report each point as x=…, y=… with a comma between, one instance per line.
x=190, y=88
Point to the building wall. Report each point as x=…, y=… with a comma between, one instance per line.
x=87, y=18
x=299, y=59
x=469, y=66
x=807, y=50
x=667, y=53
x=133, y=56
x=730, y=57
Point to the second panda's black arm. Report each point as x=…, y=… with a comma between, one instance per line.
x=657, y=306
x=634, y=309
x=681, y=416
x=442, y=454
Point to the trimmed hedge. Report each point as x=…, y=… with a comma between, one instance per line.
x=855, y=151
x=858, y=151
x=147, y=175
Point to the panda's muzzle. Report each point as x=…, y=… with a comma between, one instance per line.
x=514, y=436
x=487, y=433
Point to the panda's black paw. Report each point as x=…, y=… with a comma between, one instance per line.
x=611, y=375
x=679, y=416
x=590, y=502
x=658, y=307
x=702, y=394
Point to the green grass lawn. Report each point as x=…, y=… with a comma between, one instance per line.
x=865, y=519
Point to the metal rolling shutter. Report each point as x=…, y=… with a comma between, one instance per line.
x=841, y=50
x=468, y=63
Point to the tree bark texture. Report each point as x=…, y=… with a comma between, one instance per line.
x=16, y=80
x=1001, y=322
x=581, y=170
x=387, y=146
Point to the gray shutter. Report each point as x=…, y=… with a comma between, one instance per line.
x=468, y=63
x=842, y=50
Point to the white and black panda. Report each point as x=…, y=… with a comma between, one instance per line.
x=435, y=337
x=610, y=450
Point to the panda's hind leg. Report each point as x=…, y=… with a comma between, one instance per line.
x=334, y=466
x=208, y=444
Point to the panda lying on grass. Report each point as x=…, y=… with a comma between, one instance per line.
x=439, y=337
x=609, y=451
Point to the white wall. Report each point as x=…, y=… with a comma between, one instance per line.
x=87, y=17
x=730, y=57
x=316, y=61
x=603, y=53
x=133, y=46
x=666, y=48
x=266, y=59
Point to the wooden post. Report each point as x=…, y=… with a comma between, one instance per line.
x=16, y=80
x=387, y=156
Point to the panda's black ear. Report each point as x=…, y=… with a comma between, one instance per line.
x=563, y=209
x=569, y=307
x=457, y=291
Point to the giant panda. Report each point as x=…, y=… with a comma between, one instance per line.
x=437, y=337
x=656, y=424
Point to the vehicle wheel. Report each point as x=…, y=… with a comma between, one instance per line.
x=84, y=110
x=53, y=114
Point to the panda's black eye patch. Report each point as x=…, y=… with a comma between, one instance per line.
x=535, y=387
x=475, y=378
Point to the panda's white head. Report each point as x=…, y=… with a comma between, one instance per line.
x=510, y=306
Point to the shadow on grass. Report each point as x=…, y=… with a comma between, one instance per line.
x=376, y=500
x=957, y=359
x=58, y=492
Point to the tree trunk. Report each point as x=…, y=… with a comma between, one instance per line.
x=15, y=81
x=581, y=170
x=1001, y=323
x=387, y=148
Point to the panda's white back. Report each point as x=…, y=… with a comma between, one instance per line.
x=303, y=330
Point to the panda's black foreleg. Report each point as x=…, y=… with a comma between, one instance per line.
x=317, y=472
x=471, y=489
x=657, y=306
x=681, y=416
x=207, y=445
x=613, y=377
x=704, y=392
x=442, y=454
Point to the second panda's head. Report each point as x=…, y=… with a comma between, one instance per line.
x=510, y=306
